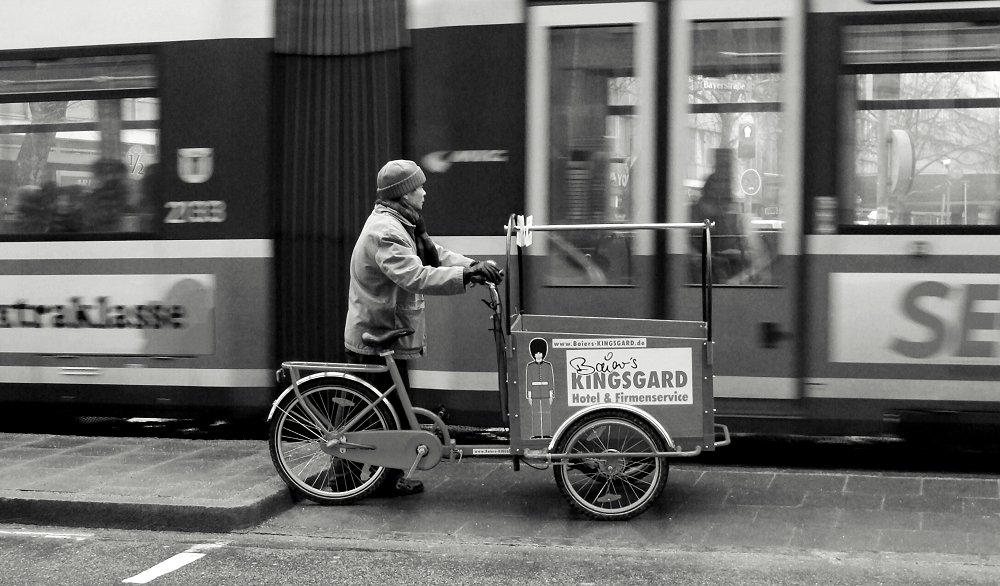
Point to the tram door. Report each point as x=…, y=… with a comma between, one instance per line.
x=734, y=157
x=590, y=158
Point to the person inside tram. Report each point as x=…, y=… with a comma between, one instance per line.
x=739, y=255
x=393, y=265
x=28, y=210
x=716, y=203
x=107, y=202
x=68, y=208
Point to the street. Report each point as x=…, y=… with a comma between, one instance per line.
x=769, y=511
x=32, y=556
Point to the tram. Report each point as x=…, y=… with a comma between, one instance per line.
x=847, y=150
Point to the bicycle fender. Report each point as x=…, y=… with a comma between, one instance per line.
x=351, y=377
x=644, y=415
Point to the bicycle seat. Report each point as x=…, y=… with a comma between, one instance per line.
x=385, y=340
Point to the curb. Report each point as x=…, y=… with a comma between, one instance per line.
x=209, y=517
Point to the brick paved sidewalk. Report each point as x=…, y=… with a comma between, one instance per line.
x=147, y=483
x=702, y=507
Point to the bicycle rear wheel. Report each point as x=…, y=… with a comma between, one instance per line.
x=296, y=441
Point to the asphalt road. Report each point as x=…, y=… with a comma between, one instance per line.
x=31, y=556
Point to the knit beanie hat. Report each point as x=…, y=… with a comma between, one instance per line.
x=397, y=178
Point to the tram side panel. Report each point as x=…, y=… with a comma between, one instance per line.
x=466, y=129
x=174, y=318
x=216, y=97
x=218, y=93
x=904, y=339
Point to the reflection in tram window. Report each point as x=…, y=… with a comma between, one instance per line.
x=593, y=134
x=69, y=164
x=926, y=98
x=734, y=168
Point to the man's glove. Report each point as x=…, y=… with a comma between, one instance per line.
x=481, y=272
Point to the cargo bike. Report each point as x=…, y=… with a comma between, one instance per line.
x=605, y=401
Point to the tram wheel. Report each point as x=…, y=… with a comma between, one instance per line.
x=296, y=441
x=611, y=487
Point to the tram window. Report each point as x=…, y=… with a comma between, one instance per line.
x=734, y=167
x=593, y=134
x=79, y=140
x=926, y=134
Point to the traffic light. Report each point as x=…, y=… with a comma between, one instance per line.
x=748, y=147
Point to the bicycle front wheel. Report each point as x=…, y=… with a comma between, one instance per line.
x=607, y=486
x=296, y=440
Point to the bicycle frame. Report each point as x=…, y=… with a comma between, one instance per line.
x=295, y=370
x=408, y=419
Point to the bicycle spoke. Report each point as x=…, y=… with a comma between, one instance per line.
x=297, y=435
x=299, y=450
x=637, y=445
x=304, y=422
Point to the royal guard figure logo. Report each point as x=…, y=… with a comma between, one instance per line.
x=540, y=382
x=195, y=165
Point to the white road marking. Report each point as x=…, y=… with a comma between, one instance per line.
x=48, y=534
x=192, y=554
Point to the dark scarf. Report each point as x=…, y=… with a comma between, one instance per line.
x=426, y=249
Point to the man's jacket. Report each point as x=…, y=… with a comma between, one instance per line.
x=389, y=281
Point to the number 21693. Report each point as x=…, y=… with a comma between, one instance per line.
x=187, y=212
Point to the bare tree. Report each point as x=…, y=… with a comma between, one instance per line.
x=32, y=159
